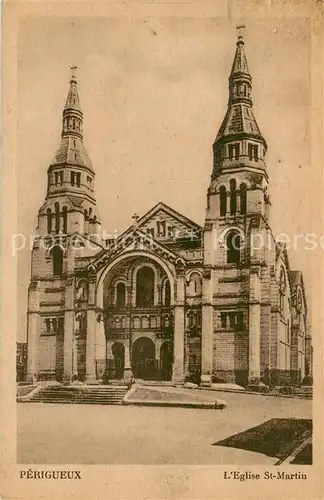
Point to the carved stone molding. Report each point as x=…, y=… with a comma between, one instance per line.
x=139, y=242
x=255, y=222
x=208, y=226
x=206, y=274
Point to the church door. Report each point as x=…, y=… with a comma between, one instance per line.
x=166, y=361
x=143, y=358
x=118, y=351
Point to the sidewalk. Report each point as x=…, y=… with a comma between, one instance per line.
x=170, y=396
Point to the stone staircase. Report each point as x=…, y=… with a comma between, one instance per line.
x=97, y=395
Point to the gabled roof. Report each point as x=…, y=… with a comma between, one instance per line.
x=169, y=211
x=295, y=276
x=281, y=252
x=298, y=280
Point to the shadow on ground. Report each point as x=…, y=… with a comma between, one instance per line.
x=277, y=438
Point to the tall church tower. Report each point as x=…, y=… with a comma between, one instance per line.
x=236, y=227
x=70, y=205
x=66, y=222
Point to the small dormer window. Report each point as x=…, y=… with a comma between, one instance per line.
x=75, y=179
x=253, y=152
x=58, y=178
x=89, y=181
x=234, y=151
x=161, y=228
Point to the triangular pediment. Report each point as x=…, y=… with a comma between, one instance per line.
x=166, y=225
x=134, y=239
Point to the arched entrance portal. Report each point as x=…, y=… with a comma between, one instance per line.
x=143, y=358
x=118, y=351
x=166, y=361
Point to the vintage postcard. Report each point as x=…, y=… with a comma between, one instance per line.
x=162, y=253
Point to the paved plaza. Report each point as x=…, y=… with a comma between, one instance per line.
x=94, y=434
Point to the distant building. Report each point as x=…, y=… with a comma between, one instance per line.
x=21, y=361
x=167, y=299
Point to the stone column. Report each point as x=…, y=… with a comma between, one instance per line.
x=127, y=366
x=159, y=295
x=33, y=331
x=254, y=326
x=91, y=333
x=109, y=360
x=109, y=350
x=100, y=349
x=179, y=329
x=158, y=344
x=207, y=329
x=33, y=341
x=68, y=330
x=75, y=356
x=128, y=344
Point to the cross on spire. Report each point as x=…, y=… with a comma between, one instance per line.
x=240, y=31
x=73, y=72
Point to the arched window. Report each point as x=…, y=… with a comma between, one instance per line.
x=49, y=221
x=145, y=287
x=194, y=287
x=82, y=291
x=233, y=196
x=233, y=245
x=57, y=217
x=167, y=293
x=222, y=200
x=120, y=295
x=64, y=220
x=243, y=198
x=57, y=259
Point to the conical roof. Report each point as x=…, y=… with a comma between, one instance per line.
x=73, y=100
x=240, y=64
x=239, y=118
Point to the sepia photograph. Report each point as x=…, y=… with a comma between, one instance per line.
x=162, y=251
x=164, y=297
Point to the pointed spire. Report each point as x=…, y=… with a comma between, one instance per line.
x=239, y=117
x=71, y=149
x=72, y=113
x=240, y=65
x=239, y=123
x=73, y=101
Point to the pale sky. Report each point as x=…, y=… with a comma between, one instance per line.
x=154, y=93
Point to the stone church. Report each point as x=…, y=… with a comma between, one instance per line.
x=167, y=299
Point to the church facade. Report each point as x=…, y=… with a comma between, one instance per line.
x=167, y=299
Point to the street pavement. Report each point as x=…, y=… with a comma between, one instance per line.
x=94, y=434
